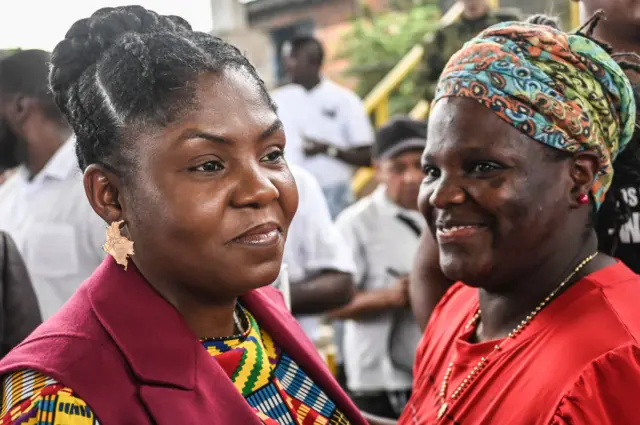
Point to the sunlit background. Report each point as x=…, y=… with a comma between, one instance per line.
x=42, y=23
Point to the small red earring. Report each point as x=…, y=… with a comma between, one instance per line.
x=583, y=199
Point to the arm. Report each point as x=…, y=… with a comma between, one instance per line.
x=328, y=290
x=427, y=282
x=367, y=303
x=358, y=156
x=322, y=254
x=21, y=310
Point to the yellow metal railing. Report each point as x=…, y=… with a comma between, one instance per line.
x=574, y=14
x=377, y=102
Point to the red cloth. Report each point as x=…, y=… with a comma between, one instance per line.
x=130, y=355
x=577, y=363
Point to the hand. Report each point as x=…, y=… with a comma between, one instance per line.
x=314, y=147
x=398, y=294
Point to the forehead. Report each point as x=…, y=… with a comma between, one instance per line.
x=231, y=98
x=229, y=104
x=462, y=126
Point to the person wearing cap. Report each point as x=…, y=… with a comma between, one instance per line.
x=383, y=230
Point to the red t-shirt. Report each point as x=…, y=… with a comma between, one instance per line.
x=577, y=362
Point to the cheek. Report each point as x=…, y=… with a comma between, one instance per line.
x=423, y=199
x=288, y=191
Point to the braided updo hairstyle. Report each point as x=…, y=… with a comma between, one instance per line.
x=128, y=66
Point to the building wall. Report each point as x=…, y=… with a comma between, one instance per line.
x=331, y=20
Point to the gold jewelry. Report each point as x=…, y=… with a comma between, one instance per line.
x=485, y=360
x=118, y=246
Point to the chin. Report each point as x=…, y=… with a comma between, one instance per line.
x=258, y=276
x=466, y=270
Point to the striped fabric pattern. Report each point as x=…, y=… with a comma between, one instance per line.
x=272, y=383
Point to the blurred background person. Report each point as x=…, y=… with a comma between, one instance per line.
x=383, y=229
x=440, y=45
x=43, y=204
x=19, y=311
x=319, y=262
x=618, y=222
x=620, y=27
x=328, y=130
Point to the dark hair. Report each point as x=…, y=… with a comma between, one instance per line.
x=541, y=19
x=128, y=66
x=303, y=40
x=26, y=73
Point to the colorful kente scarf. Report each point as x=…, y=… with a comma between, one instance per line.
x=563, y=90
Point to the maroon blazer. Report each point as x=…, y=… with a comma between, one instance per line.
x=130, y=355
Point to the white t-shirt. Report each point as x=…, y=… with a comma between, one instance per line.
x=379, y=241
x=313, y=243
x=329, y=113
x=56, y=230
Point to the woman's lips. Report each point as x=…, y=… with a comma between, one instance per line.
x=260, y=236
x=458, y=232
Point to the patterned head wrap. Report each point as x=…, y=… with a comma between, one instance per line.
x=563, y=90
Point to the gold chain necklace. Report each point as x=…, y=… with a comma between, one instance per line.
x=484, y=360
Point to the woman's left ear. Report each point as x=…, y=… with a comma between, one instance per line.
x=584, y=171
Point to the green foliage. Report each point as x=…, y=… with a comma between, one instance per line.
x=375, y=44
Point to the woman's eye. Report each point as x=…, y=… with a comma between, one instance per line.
x=209, y=167
x=484, y=167
x=431, y=172
x=273, y=156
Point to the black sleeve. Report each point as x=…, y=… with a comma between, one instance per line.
x=20, y=310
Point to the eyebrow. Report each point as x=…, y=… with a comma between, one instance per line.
x=471, y=151
x=197, y=134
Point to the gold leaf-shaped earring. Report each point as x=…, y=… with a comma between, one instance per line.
x=118, y=246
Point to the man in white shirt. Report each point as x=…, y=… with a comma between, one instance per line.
x=319, y=262
x=383, y=231
x=328, y=131
x=43, y=205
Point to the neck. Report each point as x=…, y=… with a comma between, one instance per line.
x=311, y=82
x=43, y=143
x=475, y=12
x=503, y=310
x=210, y=321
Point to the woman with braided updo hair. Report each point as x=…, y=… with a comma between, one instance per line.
x=182, y=153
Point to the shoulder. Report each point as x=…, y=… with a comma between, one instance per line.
x=617, y=289
x=27, y=394
x=304, y=179
x=311, y=200
x=333, y=89
x=69, y=340
x=360, y=212
x=606, y=391
x=286, y=92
